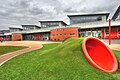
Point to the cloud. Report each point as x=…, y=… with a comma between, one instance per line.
x=18, y=12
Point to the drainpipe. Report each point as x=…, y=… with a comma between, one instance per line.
x=109, y=32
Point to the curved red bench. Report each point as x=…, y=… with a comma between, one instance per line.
x=99, y=55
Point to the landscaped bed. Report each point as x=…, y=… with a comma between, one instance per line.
x=56, y=61
x=7, y=49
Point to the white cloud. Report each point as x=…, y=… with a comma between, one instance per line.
x=18, y=12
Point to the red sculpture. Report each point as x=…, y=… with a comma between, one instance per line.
x=99, y=55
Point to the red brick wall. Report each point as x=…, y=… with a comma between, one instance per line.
x=16, y=36
x=37, y=36
x=61, y=34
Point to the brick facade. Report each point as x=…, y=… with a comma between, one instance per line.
x=16, y=36
x=61, y=34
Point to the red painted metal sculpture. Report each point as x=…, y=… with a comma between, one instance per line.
x=99, y=55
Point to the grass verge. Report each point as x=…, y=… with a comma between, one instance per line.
x=63, y=61
x=7, y=49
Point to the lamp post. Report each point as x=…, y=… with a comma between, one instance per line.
x=109, y=32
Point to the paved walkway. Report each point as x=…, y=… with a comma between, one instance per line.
x=115, y=44
x=32, y=45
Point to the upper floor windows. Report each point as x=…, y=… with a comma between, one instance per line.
x=83, y=19
x=49, y=24
x=14, y=30
x=118, y=17
x=28, y=28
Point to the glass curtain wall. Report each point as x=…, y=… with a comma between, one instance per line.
x=83, y=19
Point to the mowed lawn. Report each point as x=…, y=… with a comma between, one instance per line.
x=55, y=61
x=7, y=49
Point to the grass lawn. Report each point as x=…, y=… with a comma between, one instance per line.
x=63, y=61
x=7, y=49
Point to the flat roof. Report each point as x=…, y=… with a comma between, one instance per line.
x=94, y=14
x=15, y=28
x=30, y=25
x=52, y=21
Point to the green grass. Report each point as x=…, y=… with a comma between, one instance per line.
x=7, y=49
x=63, y=61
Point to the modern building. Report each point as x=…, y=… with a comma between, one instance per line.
x=15, y=29
x=96, y=25
x=83, y=25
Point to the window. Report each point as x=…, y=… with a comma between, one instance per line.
x=53, y=35
x=31, y=28
x=64, y=34
x=84, y=19
x=107, y=31
x=60, y=34
x=119, y=31
x=99, y=18
x=118, y=17
x=72, y=34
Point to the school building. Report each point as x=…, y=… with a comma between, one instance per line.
x=83, y=25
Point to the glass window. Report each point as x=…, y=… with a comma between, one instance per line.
x=83, y=19
x=60, y=34
x=72, y=34
x=118, y=17
x=107, y=31
x=118, y=30
x=53, y=35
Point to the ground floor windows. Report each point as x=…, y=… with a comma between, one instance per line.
x=107, y=31
x=119, y=31
x=37, y=36
x=72, y=34
x=114, y=34
x=90, y=33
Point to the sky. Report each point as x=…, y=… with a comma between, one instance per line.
x=19, y=12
